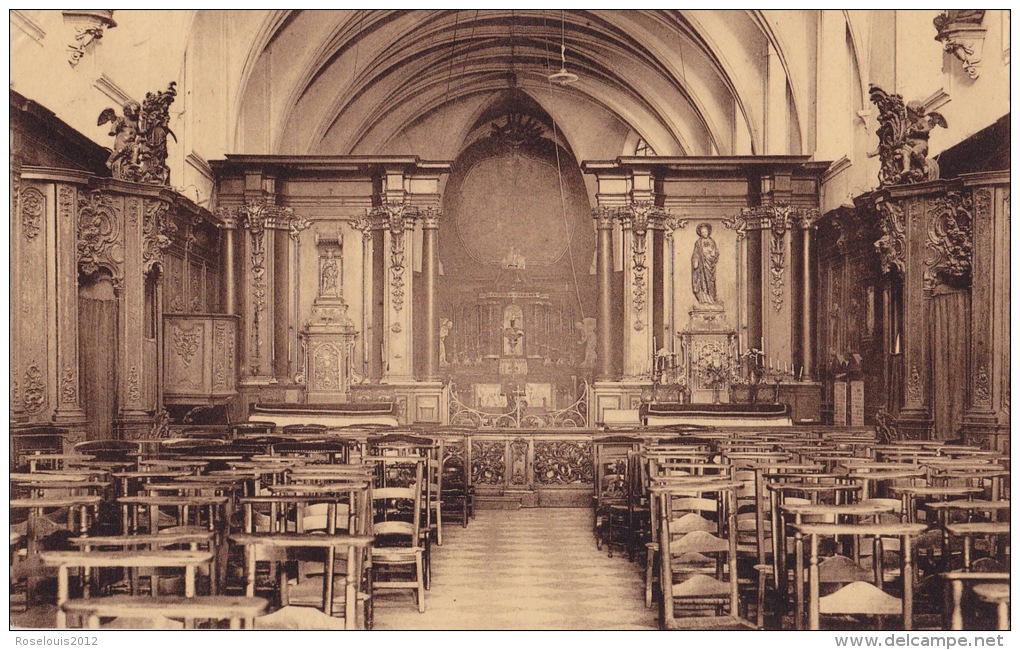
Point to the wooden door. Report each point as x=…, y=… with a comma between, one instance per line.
x=97, y=344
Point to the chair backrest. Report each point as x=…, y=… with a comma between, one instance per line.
x=397, y=512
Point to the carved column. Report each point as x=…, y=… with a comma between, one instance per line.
x=604, y=267
x=262, y=221
x=986, y=421
x=430, y=271
x=14, y=309
x=69, y=395
x=806, y=224
x=228, y=227
x=902, y=248
x=399, y=223
x=637, y=303
x=131, y=358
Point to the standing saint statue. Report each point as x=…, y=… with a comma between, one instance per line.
x=445, y=325
x=587, y=329
x=703, y=261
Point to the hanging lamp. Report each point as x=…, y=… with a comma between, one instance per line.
x=563, y=77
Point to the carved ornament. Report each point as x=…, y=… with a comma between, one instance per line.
x=186, y=343
x=516, y=131
x=68, y=386
x=671, y=224
x=563, y=463
x=604, y=217
x=892, y=245
x=134, y=392
x=738, y=223
x=638, y=217
x=914, y=385
x=950, y=240
x=982, y=392
x=33, y=204
x=140, y=138
x=961, y=34
x=326, y=361
x=398, y=217
x=100, y=236
x=34, y=393
x=488, y=462
x=89, y=25
x=903, y=139
x=158, y=230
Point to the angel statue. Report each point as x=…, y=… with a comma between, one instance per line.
x=124, y=130
x=903, y=134
x=139, y=147
x=587, y=329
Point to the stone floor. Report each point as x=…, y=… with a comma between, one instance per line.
x=520, y=570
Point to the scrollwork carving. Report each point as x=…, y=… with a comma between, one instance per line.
x=563, y=463
x=399, y=218
x=950, y=239
x=914, y=385
x=488, y=462
x=34, y=394
x=186, y=343
x=982, y=391
x=68, y=386
x=100, y=236
x=33, y=204
x=737, y=223
x=326, y=367
x=134, y=392
x=903, y=134
x=638, y=217
x=157, y=230
x=891, y=246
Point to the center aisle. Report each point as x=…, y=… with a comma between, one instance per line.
x=536, y=568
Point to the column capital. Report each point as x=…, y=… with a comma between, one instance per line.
x=604, y=217
x=430, y=218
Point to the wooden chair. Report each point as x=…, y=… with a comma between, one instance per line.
x=698, y=565
x=397, y=529
x=354, y=588
x=957, y=583
x=614, y=515
x=457, y=493
x=860, y=597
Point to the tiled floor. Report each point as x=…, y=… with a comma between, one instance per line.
x=527, y=569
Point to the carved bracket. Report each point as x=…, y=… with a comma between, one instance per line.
x=961, y=33
x=950, y=240
x=638, y=217
x=399, y=218
x=89, y=26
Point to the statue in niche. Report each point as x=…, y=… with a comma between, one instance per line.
x=445, y=325
x=587, y=329
x=330, y=277
x=514, y=259
x=513, y=339
x=903, y=134
x=703, y=261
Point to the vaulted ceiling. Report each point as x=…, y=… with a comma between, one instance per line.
x=373, y=81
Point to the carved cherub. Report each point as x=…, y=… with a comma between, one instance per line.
x=903, y=134
x=125, y=132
